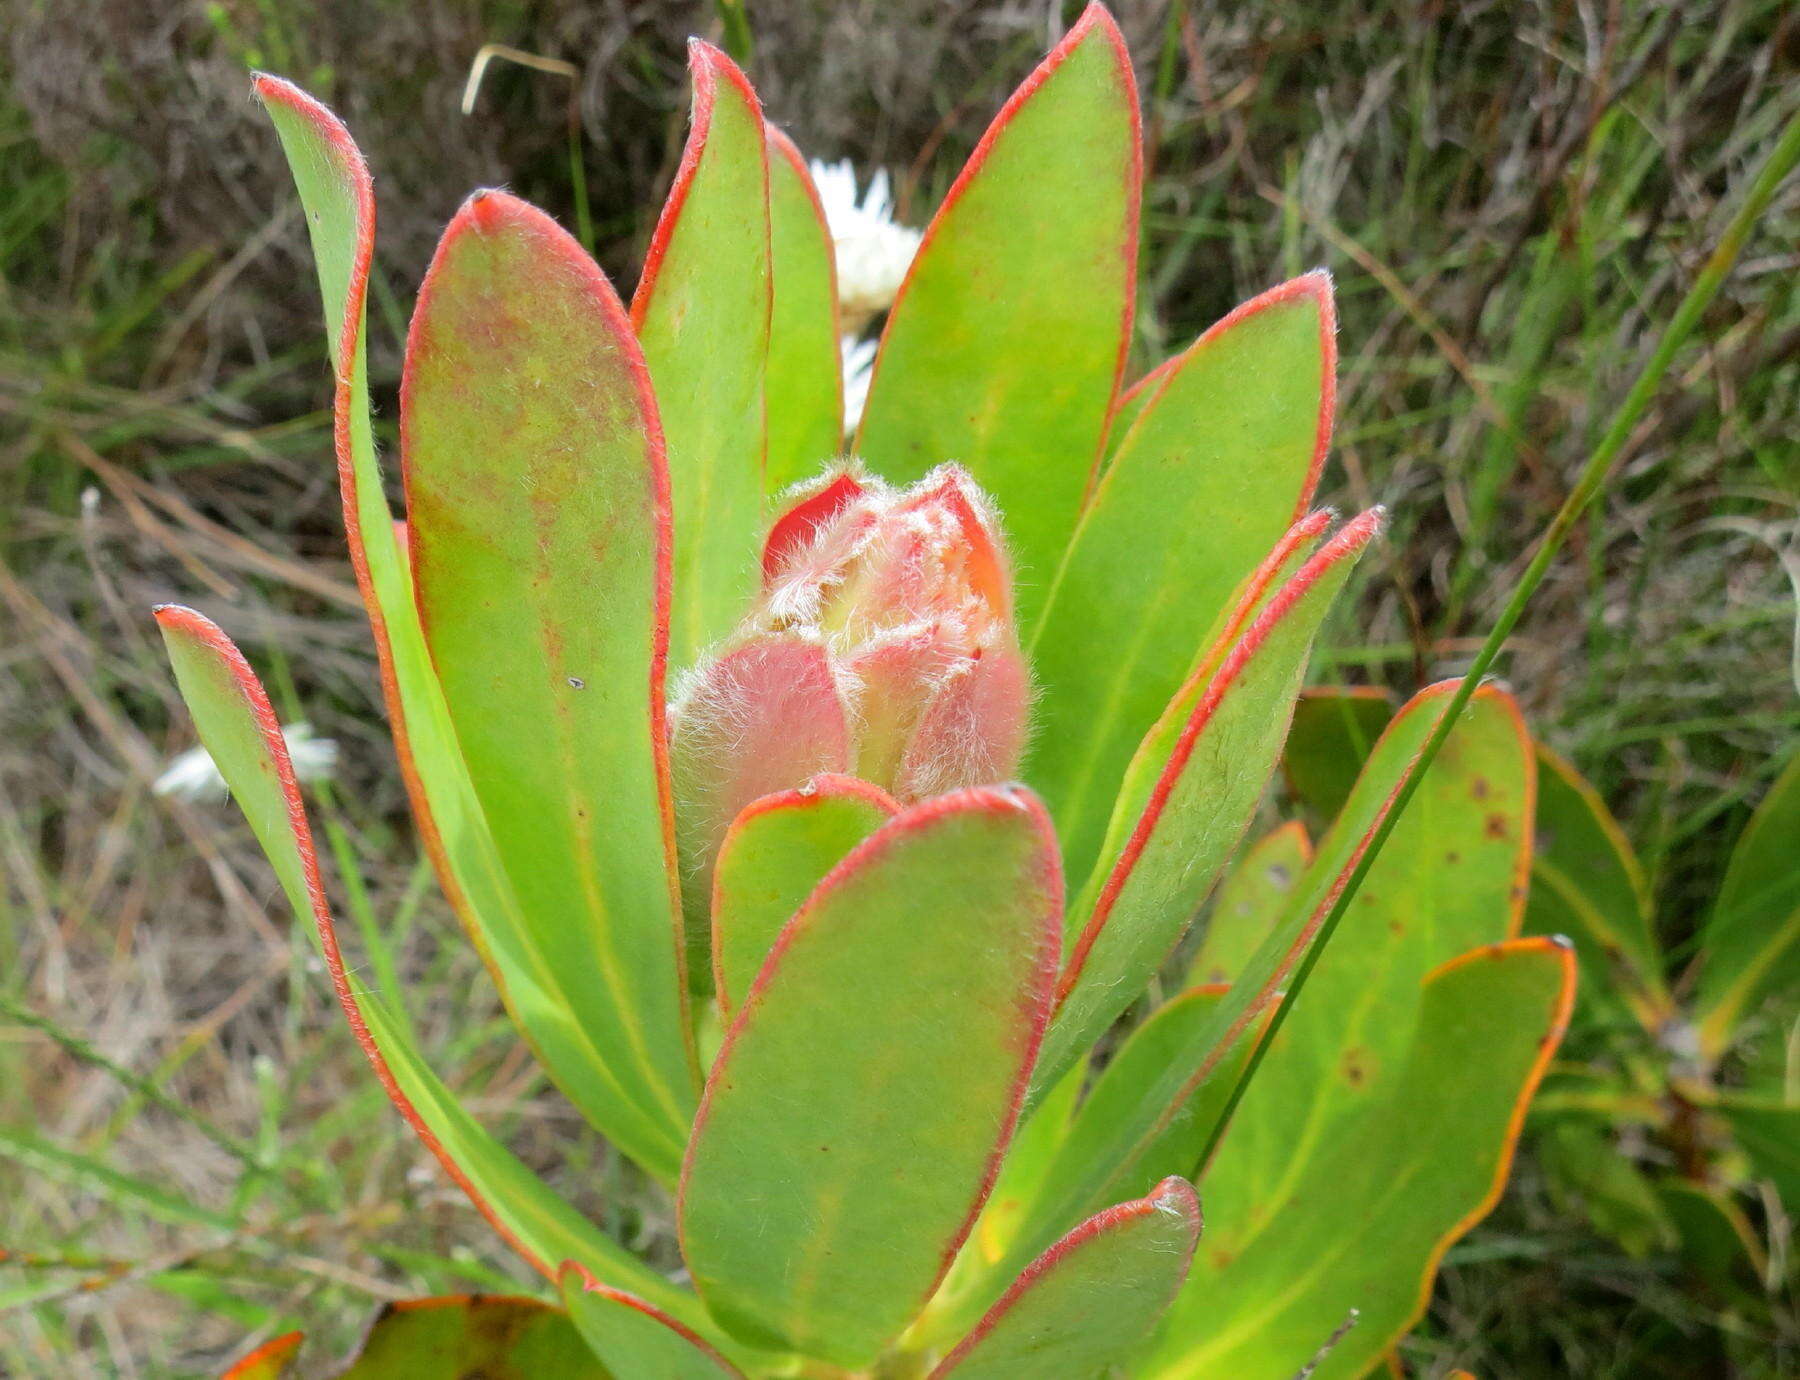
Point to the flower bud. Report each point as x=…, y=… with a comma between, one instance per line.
x=882, y=645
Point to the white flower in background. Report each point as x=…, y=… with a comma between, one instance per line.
x=193, y=775
x=873, y=252
x=859, y=363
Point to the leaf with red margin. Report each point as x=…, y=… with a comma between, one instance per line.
x=634, y=1337
x=856, y=1116
x=1004, y=347
x=806, y=376
x=474, y=1337
x=1334, y=728
x=1212, y=754
x=1380, y=1206
x=270, y=1361
x=776, y=852
x=335, y=191
x=239, y=729
x=1452, y=876
x=702, y=310
x=534, y=477
x=1586, y=882
x=1224, y=453
x=1075, y=1184
x=1091, y=1299
x=1251, y=899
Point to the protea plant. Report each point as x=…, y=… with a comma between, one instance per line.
x=714, y=727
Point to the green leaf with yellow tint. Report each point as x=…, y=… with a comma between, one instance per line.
x=1228, y=444
x=270, y=1361
x=1251, y=899
x=1451, y=877
x=805, y=378
x=238, y=728
x=815, y=1216
x=1090, y=1300
x=776, y=851
x=1212, y=753
x=1752, y=939
x=702, y=312
x=477, y=1337
x=1003, y=349
x=534, y=475
x=1373, y=1213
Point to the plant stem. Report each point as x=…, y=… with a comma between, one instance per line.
x=1592, y=480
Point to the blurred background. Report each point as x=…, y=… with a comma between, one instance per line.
x=1512, y=196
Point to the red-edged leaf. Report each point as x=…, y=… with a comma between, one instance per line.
x=238, y=727
x=534, y=478
x=855, y=1118
x=702, y=310
x=1088, y=1301
x=777, y=850
x=806, y=378
x=1004, y=347
x=270, y=1361
x=1226, y=732
x=808, y=509
x=634, y=1337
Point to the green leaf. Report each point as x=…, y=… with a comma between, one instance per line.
x=1034, y=1148
x=1211, y=753
x=1768, y=1131
x=1075, y=1183
x=533, y=477
x=1717, y=1240
x=1230, y=443
x=335, y=191
x=474, y=1337
x=1451, y=877
x=1334, y=728
x=806, y=379
x=1004, y=347
x=1752, y=939
x=702, y=311
x=1586, y=883
x=855, y=1117
x=237, y=725
x=1091, y=1299
x=1591, y=1177
x=1251, y=899
x=1375, y=1210
x=776, y=851
x=636, y=1338
x=58, y=1162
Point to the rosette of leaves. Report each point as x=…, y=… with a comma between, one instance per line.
x=850, y=1025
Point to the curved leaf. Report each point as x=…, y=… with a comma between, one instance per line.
x=1768, y=1130
x=473, y=1337
x=1230, y=444
x=634, y=1337
x=702, y=311
x=1004, y=348
x=1451, y=877
x=534, y=475
x=1752, y=939
x=777, y=850
x=1366, y=1227
x=1587, y=884
x=1222, y=742
x=855, y=1117
x=1251, y=899
x=806, y=377
x=239, y=729
x=1088, y=1301
x=270, y=1361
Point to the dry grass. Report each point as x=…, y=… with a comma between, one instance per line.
x=1512, y=198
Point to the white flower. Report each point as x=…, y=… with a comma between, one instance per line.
x=193, y=775
x=873, y=252
x=859, y=363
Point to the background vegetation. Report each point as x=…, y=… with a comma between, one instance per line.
x=1512, y=196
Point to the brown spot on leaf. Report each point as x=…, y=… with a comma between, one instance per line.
x=1356, y=1071
x=1479, y=788
x=1496, y=826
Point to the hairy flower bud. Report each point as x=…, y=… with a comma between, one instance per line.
x=882, y=645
